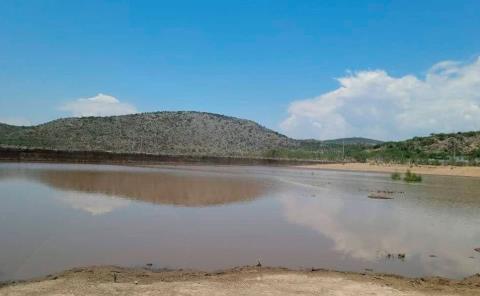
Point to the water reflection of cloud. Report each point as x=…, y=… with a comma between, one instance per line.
x=92, y=203
x=368, y=230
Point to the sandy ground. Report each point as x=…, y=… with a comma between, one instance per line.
x=237, y=281
x=466, y=171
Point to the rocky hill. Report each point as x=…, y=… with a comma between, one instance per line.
x=206, y=134
x=192, y=133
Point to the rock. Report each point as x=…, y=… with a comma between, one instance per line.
x=379, y=196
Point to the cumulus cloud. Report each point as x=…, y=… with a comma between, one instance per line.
x=99, y=105
x=377, y=105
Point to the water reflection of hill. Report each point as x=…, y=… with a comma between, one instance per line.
x=154, y=187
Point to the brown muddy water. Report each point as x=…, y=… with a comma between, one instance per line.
x=55, y=217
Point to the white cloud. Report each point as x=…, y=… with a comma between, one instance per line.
x=375, y=104
x=99, y=105
x=398, y=231
x=93, y=203
x=15, y=121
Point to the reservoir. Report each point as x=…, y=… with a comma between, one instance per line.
x=57, y=216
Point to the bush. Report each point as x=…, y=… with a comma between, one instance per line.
x=396, y=176
x=412, y=177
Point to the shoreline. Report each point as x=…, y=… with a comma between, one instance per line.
x=454, y=171
x=459, y=171
x=22, y=155
x=246, y=280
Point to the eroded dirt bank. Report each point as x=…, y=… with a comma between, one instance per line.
x=104, y=157
x=237, y=281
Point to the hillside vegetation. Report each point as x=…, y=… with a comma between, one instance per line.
x=192, y=133
x=455, y=148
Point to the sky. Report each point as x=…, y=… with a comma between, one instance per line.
x=388, y=70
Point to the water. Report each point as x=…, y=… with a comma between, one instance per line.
x=55, y=217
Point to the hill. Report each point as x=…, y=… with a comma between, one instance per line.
x=461, y=147
x=208, y=134
x=353, y=141
x=192, y=133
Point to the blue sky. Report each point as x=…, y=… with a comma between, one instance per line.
x=275, y=62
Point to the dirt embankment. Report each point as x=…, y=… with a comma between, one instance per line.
x=464, y=171
x=111, y=280
x=103, y=157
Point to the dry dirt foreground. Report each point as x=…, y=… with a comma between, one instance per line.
x=464, y=171
x=237, y=281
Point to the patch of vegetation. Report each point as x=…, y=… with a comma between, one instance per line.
x=412, y=177
x=396, y=176
x=318, y=150
x=436, y=149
